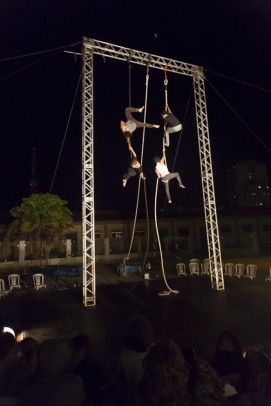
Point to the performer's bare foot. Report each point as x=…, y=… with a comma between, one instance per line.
x=182, y=186
x=124, y=181
x=170, y=201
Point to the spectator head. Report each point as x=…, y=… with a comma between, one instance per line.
x=7, y=344
x=206, y=388
x=227, y=341
x=28, y=345
x=165, y=375
x=139, y=334
x=81, y=349
x=54, y=357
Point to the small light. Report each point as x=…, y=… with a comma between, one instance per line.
x=8, y=330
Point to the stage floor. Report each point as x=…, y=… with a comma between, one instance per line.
x=193, y=318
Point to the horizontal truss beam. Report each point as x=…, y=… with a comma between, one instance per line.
x=141, y=58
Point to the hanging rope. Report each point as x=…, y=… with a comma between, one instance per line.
x=67, y=126
x=165, y=293
x=165, y=83
x=166, y=103
x=148, y=237
x=180, y=137
x=130, y=86
x=130, y=79
x=139, y=181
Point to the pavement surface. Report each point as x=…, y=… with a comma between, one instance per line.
x=193, y=318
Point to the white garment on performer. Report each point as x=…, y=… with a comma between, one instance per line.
x=162, y=169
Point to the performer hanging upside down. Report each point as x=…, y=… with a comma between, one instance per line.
x=132, y=124
x=134, y=168
x=171, y=124
x=163, y=173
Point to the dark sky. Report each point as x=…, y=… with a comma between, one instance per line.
x=232, y=38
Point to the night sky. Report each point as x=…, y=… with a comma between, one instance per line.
x=230, y=38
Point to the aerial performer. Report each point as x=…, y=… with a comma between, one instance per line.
x=163, y=173
x=134, y=168
x=132, y=124
x=171, y=124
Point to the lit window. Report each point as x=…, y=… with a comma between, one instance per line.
x=259, y=187
x=117, y=234
x=260, y=204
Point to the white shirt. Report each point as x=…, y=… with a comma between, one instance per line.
x=162, y=169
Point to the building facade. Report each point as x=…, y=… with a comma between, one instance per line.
x=248, y=184
x=240, y=235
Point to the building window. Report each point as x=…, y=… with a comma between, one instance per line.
x=247, y=228
x=117, y=234
x=183, y=232
x=139, y=233
x=97, y=234
x=72, y=237
x=266, y=227
x=225, y=229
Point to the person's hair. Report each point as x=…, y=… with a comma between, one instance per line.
x=165, y=376
x=28, y=345
x=156, y=159
x=206, y=387
x=228, y=356
x=228, y=341
x=134, y=161
x=139, y=334
x=127, y=134
x=164, y=112
x=81, y=350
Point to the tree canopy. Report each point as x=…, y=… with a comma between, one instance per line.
x=40, y=217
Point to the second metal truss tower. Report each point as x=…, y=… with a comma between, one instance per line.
x=90, y=47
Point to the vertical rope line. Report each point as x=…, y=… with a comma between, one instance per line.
x=159, y=244
x=148, y=237
x=177, y=150
x=139, y=181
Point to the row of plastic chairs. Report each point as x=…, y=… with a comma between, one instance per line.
x=230, y=269
x=14, y=283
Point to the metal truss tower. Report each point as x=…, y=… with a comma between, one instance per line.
x=91, y=47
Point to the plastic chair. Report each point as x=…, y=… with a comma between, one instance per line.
x=206, y=261
x=181, y=269
x=268, y=278
x=38, y=280
x=205, y=268
x=192, y=261
x=3, y=291
x=251, y=271
x=194, y=268
x=14, y=281
x=229, y=269
x=239, y=270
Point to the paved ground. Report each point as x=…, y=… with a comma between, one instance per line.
x=194, y=317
